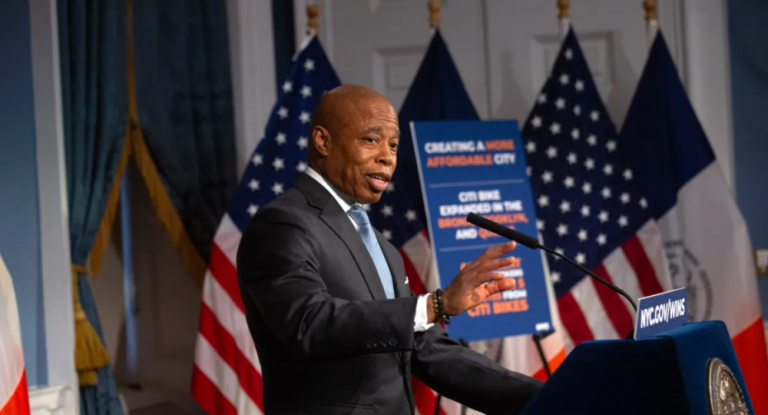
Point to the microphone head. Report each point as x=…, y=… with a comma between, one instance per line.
x=502, y=230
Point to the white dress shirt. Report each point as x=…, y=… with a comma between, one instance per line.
x=420, y=322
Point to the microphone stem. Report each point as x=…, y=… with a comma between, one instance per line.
x=612, y=286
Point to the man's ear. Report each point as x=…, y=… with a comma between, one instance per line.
x=321, y=140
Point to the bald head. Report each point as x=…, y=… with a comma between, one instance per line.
x=355, y=135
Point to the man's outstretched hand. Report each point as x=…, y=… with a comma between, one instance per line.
x=469, y=288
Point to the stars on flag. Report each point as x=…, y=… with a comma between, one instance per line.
x=282, y=112
x=278, y=163
x=623, y=221
x=575, y=133
x=309, y=65
x=304, y=117
x=410, y=215
x=306, y=91
x=302, y=142
x=253, y=184
x=552, y=152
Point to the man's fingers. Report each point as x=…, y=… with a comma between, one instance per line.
x=500, y=285
x=499, y=250
x=499, y=263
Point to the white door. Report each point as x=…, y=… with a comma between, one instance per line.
x=504, y=49
x=380, y=43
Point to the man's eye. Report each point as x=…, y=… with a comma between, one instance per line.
x=394, y=146
x=370, y=139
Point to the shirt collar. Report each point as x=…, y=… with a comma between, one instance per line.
x=345, y=205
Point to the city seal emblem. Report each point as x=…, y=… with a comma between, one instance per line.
x=723, y=391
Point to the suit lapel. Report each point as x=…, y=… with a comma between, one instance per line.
x=339, y=222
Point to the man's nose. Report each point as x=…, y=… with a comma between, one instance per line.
x=387, y=156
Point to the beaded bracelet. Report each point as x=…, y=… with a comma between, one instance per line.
x=437, y=303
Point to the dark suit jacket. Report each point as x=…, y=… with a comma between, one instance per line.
x=328, y=339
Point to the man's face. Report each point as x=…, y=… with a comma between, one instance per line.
x=362, y=149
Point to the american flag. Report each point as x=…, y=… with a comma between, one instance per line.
x=588, y=205
x=226, y=376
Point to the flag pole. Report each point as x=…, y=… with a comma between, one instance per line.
x=313, y=27
x=651, y=22
x=434, y=7
x=563, y=16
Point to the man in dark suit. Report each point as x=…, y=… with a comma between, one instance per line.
x=336, y=328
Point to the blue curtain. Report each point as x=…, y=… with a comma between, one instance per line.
x=186, y=118
x=92, y=36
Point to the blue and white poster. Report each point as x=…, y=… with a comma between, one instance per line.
x=479, y=166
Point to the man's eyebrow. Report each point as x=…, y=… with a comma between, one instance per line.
x=379, y=129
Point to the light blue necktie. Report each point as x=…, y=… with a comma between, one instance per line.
x=360, y=216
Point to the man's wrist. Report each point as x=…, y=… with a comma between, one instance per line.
x=438, y=308
x=430, y=309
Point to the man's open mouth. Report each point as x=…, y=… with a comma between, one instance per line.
x=379, y=181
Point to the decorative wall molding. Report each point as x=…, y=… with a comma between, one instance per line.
x=393, y=70
x=53, y=400
x=253, y=72
x=52, y=193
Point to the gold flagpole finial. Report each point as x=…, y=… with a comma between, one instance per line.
x=562, y=7
x=313, y=17
x=434, y=13
x=650, y=10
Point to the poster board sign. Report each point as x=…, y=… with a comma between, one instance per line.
x=479, y=166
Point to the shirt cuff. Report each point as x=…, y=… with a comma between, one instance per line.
x=420, y=322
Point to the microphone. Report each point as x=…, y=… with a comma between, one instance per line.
x=534, y=244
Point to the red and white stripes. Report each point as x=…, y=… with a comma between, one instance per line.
x=591, y=310
x=14, y=395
